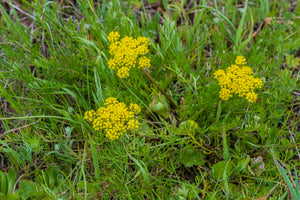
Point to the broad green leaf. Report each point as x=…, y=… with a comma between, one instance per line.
x=187, y=127
x=11, y=179
x=219, y=168
x=190, y=157
x=161, y=107
x=29, y=189
x=3, y=183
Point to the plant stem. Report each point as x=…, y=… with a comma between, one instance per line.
x=173, y=105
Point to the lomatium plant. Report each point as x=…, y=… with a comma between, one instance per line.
x=127, y=53
x=115, y=118
x=238, y=79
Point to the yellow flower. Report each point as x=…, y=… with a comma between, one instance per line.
x=115, y=118
x=251, y=96
x=127, y=53
x=240, y=60
x=89, y=115
x=225, y=94
x=110, y=100
x=238, y=79
x=135, y=108
x=144, y=62
x=113, y=36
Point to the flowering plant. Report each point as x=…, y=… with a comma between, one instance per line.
x=115, y=118
x=238, y=79
x=127, y=53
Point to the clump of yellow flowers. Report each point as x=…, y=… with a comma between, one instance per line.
x=115, y=118
x=238, y=79
x=127, y=53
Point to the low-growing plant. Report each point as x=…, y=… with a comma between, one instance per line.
x=115, y=118
x=238, y=79
x=186, y=127
x=130, y=53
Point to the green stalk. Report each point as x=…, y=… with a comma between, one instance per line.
x=173, y=105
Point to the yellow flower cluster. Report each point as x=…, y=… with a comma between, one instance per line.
x=127, y=53
x=115, y=118
x=238, y=79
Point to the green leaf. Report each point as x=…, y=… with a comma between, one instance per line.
x=152, y=24
x=219, y=168
x=291, y=188
x=2, y=196
x=189, y=126
x=13, y=196
x=190, y=157
x=142, y=169
x=291, y=61
x=48, y=177
x=273, y=135
x=164, y=4
x=242, y=164
x=92, y=188
x=161, y=107
x=3, y=183
x=29, y=189
x=95, y=161
x=11, y=179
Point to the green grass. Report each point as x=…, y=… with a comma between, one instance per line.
x=54, y=67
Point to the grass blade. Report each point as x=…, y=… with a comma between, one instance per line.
x=292, y=191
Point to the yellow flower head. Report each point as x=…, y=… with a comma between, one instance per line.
x=238, y=79
x=113, y=36
x=89, y=115
x=135, y=108
x=115, y=118
x=240, y=60
x=127, y=53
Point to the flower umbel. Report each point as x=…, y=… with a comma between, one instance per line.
x=127, y=53
x=115, y=118
x=238, y=79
